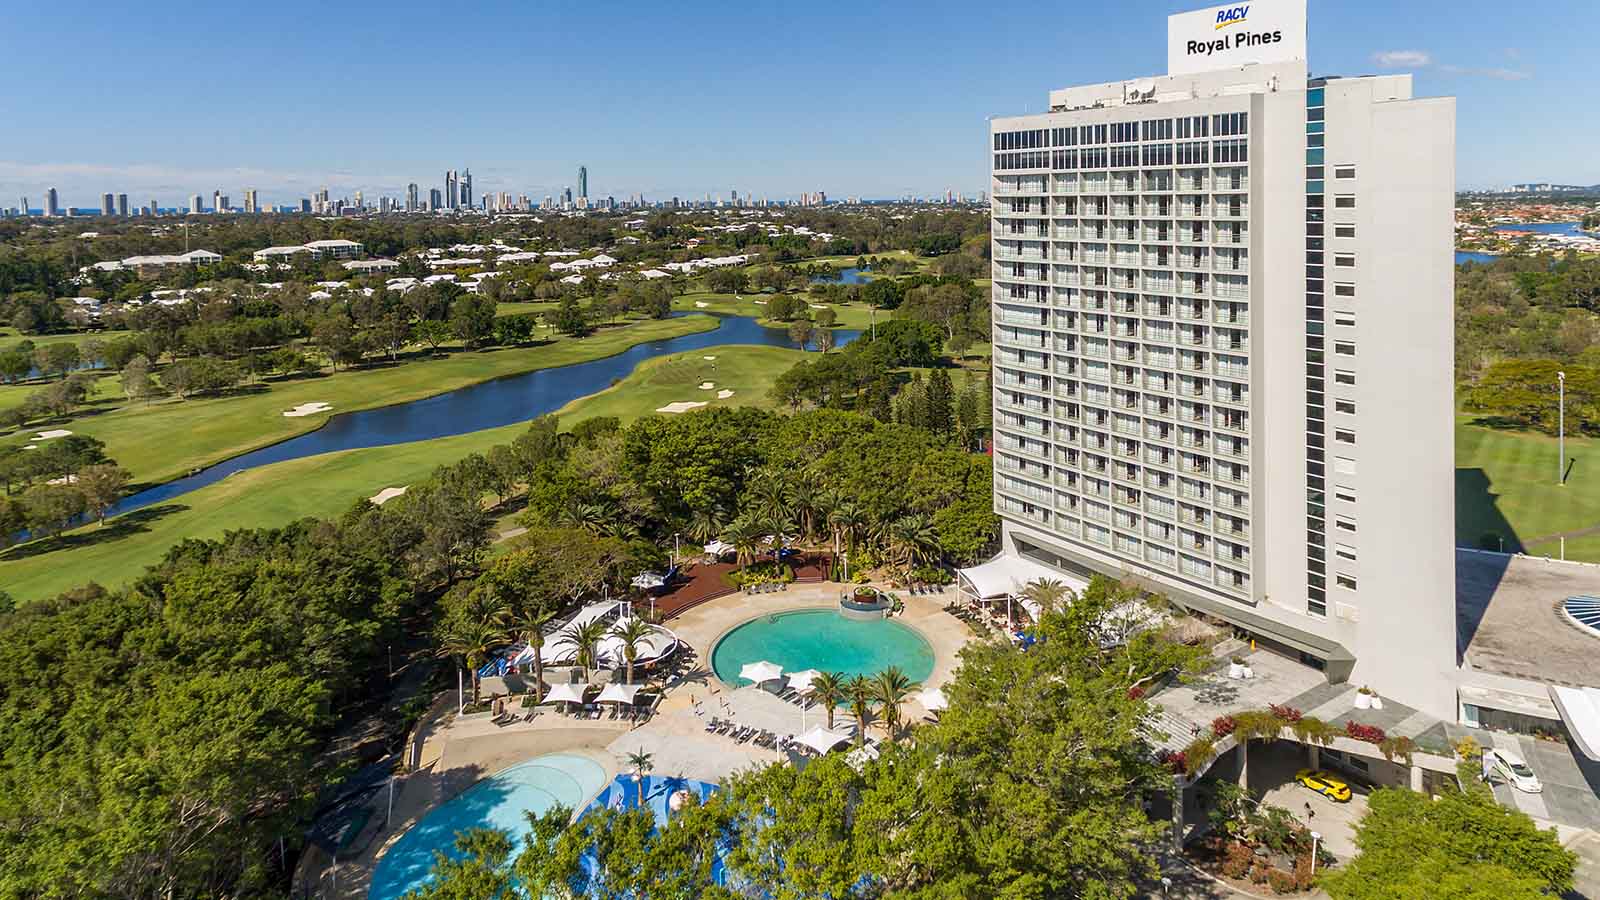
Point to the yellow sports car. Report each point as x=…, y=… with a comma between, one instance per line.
x=1325, y=784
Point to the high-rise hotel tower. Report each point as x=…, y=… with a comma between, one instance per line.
x=1223, y=346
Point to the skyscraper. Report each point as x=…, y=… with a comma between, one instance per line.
x=435, y=199
x=250, y=203
x=411, y=197
x=1223, y=349
x=452, y=190
x=25, y=209
x=583, y=182
x=52, y=203
x=196, y=204
x=466, y=188
x=122, y=205
x=108, y=205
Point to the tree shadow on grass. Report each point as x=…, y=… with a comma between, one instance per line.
x=116, y=529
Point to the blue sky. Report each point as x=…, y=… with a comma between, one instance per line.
x=877, y=99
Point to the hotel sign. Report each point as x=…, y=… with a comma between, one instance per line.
x=1261, y=31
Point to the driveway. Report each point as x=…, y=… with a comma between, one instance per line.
x=1272, y=769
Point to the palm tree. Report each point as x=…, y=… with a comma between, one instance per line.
x=773, y=495
x=846, y=520
x=530, y=628
x=1047, y=592
x=891, y=687
x=803, y=497
x=706, y=524
x=641, y=763
x=859, y=691
x=632, y=631
x=587, y=637
x=827, y=689
x=745, y=535
x=912, y=539
x=471, y=642
x=591, y=517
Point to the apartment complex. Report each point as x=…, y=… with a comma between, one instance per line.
x=1223, y=347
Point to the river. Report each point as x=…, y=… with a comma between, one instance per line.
x=489, y=404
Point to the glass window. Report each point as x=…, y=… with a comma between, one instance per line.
x=1314, y=127
x=1316, y=97
x=1316, y=187
x=1344, y=172
x=1314, y=158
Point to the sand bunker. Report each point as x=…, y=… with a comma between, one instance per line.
x=708, y=357
x=31, y=447
x=65, y=479
x=308, y=409
x=53, y=433
x=761, y=303
x=681, y=406
x=387, y=494
x=724, y=394
x=819, y=306
x=707, y=385
x=701, y=303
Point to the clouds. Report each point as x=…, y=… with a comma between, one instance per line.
x=1396, y=59
x=1422, y=59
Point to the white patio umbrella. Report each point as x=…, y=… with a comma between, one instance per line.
x=822, y=740
x=618, y=693
x=646, y=581
x=801, y=681
x=718, y=548
x=932, y=699
x=761, y=671
x=566, y=693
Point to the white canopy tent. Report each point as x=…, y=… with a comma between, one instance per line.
x=1006, y=577
x=618, y=693
x=1580, y=710
x=932, y=699
x=566, y=693
x=822, y=740
x=718, y=548
x=761, y=671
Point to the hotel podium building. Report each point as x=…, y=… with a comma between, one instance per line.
x=1223, y=357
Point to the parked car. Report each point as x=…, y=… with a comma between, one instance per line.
x=1325, y=783
x=1515, y=771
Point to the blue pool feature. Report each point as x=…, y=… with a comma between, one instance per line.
x=622, y=794
x=489, y=404
x=824, y=640
x=500, y=801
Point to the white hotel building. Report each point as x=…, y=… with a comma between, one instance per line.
x=1223, y=346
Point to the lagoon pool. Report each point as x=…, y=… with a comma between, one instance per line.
x=824, y=640
x=499, y=801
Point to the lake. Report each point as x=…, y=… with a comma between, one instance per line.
x=1546, y=228
x=851, y=275
x=490, y=404
x=1466, y=256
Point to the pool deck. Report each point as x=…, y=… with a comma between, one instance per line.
x=449, y=755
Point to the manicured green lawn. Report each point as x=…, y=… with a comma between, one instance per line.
x=848, y=315
x=326, y=485
x=1506, y=485
x=10, y=337
x=159, y=441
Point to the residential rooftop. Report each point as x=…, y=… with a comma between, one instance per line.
x=1508, y=620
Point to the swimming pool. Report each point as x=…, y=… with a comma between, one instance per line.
x=623, y=794
x=824, y=640
x=499, y=801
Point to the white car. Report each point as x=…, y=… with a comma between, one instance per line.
x=1516, y=772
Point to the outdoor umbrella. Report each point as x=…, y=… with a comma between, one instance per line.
x=761, y=671
x=822, y=740
x=801, y=681
x=618, y=693
x=566, y=693
x=932, y=699
x=718, y=548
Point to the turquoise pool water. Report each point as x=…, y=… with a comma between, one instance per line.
x=822, y=639
x=499, y=801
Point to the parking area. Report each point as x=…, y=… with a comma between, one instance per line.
x=1571, y=794
x=1271, y=776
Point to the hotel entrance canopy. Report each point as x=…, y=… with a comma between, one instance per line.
x=1580, y=710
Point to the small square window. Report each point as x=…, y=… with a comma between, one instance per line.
x=1344, y=259
x=1348, y=407
x=1344, y=495
x=1348, y=320
x=1341, y=376
x=1344, y=171
x=1345, y=552
x=1345, y=524
x=1345, y=581
x=1344, y=201
x=1344, y=348
x=1344, y=436
x=1348, y=231
x=1344, y=290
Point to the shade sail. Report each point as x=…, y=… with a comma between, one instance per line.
x=932, y=699
x=1580, y=710
x=801, y=681
x=1006, y=575
x=822, y=740
x=566, y=693
x=717, y=548
x=761, y=671
x=618, y=693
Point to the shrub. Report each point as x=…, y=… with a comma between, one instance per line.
x=1258, y=872
x=1222, y=726
x=1372, y=734
x=1252, y=724
x=1302, y=872
x=1287, y=713
x=1236, y=860
x=1200, y=751
x=1173, y=760
x=1136, y=692
x=1281, y=882
x=1400, y=746
x=1312, y=730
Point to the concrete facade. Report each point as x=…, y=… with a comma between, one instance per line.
x=1223, y=357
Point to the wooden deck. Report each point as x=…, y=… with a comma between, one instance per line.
x=707, y=582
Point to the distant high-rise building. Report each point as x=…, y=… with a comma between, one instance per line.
x=583, y=182
x=196, y=204
x=435, y=199
x=305, y=204
x=566, y=196
x=25, y=210
x=122, y=205
x=466, y=188
x=411, y=197
x=52, y=203
x=108, y=205
x=154, y=209
x=251, y=205
x=360, y=201
x=452, y=189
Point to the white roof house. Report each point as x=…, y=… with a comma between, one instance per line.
x=268, y=253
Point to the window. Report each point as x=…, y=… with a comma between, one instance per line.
x=1344, y=436
x=1348, y=231
x=1348, y=407
x=1344, y=348
x=1344, y=172
x=1341, y=376
x=1344, y=201
x=1345, y=552
x=1345, y=523
x=1344, y=259
x=1345, y=581
x=1344, y=465
x=1344, y=494
x=1346, y=319
x=1344, y=289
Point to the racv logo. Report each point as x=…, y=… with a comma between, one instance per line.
x=1231, y=15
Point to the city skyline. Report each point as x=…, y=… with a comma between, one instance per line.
x=809, y=135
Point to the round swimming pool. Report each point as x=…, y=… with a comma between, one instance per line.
x=499, y=801
x=824, y=640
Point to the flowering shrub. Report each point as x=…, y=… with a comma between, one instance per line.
x=1222, y=726
x=1236, y=861
x=1136, y=693
x=1173, y=760
x=1372, y=734
x=1286, y=713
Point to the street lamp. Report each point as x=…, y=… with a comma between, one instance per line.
x=1561, y=429
x=1315, y=837
x=674, y=549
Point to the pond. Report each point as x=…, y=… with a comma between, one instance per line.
x=851, y=275
x=1469, y=256
x=490, y=404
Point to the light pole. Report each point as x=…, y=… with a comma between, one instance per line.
x=674, y=549
x=1315, y=837
x=1561, y=428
